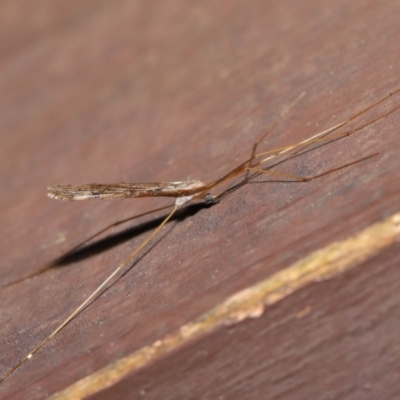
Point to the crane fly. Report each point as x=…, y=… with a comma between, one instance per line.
x=187, y=192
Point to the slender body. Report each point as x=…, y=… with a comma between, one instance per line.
x=187, y=191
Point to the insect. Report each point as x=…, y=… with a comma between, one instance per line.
x=188, y=192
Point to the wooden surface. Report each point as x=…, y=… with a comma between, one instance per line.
x=166, y=91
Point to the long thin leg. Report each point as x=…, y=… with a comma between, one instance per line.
x=270, y=128
x=94, y=294
x=243, y=168
x=273, y=125
x=80, y=245
x=319, y=136
x=301, y=146
x=350, y=131
x=298, y=178
x=293, y=178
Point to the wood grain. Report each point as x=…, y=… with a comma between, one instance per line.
x=166, y=91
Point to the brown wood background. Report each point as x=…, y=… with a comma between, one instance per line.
x=110, y=91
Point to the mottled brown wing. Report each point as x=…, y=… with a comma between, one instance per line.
x=123, y=190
